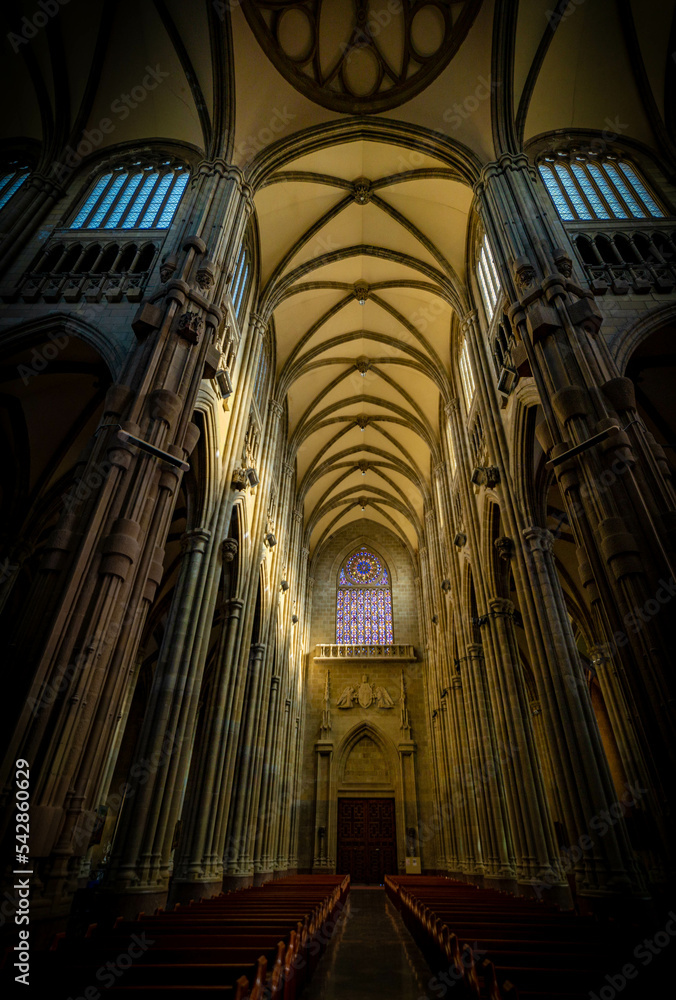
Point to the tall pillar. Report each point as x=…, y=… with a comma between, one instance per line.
x=165, y=742
x=605, y=864
x=496, y=847
x=103, y=563
x=626, y=534
x=238, y=864
x=199, y=867
x=530, y=819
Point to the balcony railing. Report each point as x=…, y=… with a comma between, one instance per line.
x=91, y=267
x=388, y=651
x=633, y=258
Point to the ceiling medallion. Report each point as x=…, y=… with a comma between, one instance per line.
x=360, y=56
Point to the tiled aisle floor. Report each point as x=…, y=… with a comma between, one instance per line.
x=371, y=955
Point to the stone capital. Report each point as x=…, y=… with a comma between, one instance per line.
x=275, y=408
x=195, y=540
x=538, y=539
x=501, y=606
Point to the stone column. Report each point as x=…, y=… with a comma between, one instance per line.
x=497, y=851
x=163, y=746
x=530, y=818
x=606, y=865
x=323, y=862
x=104, y=561
x=626, y=533
x=263, y=857
x=199, y=867
x=238, y=865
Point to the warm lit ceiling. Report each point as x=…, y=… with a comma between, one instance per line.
x=381, y=199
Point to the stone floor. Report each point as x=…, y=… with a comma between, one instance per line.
x=371, y=955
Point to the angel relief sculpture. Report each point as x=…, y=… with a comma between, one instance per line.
x=366, y=696
x=347, y=698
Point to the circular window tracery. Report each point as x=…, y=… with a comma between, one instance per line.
x=360, y=57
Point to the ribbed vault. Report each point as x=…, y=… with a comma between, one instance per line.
x=361, y=273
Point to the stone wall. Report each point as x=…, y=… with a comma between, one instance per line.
x=373, y=733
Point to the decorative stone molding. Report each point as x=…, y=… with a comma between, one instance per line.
x=539, y=539
x=168, y=266
x=524, y=274
x=366, y=695
x=195, y=540
x=504, y=546
x=460, y=539
x=205, y=275
x=361, y=191
x=229, y=549
x=190, y=326
x=239, y=479
x=384, y=651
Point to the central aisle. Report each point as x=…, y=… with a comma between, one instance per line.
x=371, y=955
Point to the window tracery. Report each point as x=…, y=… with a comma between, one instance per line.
x=11, y=179
x=364, y=601
x=588, y=188
x=133, y=197
x=487, y=276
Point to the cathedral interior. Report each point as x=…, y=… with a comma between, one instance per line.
x=347, y=547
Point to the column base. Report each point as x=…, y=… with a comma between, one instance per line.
x=260, y=878
x=107, y=905
x=237, y=882
x=504, y=883
x=183, y=892
x=622, y=910
x=558, y=895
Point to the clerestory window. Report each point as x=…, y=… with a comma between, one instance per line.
x=136, y=197
x=11, y=179
x=364, y=603
x=240, y=280
x=487, y=276
x=466, y=374
x=584, y=187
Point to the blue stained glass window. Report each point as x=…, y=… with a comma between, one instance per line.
x=606, y=190
x=140, y=201
x=99, y=188
x=571, y=190
x=172, y=201
x=615, y=176
x=556, y=194
x=155, y=202
x=11, y=181
x=641, y=189
x=116, y=215
x=599, y=208
x=136, y=198
x=104, y=205
x=364, y=600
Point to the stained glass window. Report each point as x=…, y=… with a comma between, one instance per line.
x=364, y=605
x=11, y=180
x=584, y=188
x=487, y=275
x=136, y=198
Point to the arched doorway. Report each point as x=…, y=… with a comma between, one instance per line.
x=367, y=792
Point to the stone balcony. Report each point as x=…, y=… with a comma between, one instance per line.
x=387, y=651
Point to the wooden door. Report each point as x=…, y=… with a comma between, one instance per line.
x=367, y=847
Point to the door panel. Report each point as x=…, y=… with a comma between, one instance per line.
x=367, y=849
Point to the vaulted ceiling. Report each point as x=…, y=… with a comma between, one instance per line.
x=362, y=150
